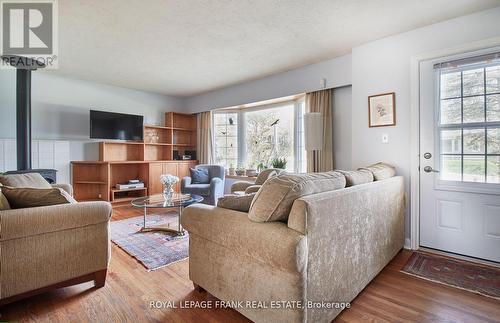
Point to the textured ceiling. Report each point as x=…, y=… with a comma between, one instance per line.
x=187, y=47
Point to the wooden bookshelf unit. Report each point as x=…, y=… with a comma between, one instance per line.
x=120, y=161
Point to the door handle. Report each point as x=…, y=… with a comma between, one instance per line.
x=429, y=169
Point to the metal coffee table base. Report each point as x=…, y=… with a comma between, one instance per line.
x=179, y=231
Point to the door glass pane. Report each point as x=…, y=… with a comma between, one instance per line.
x=493, y=169
x=474, y=169
x=473, y=82
x=451, y=168
x=451, y=85
x=493, y=79
x=474, y=109
x=474, y=142
x=493, y=107
x=494, y=141
x=451, y=141
x=451, y=111
x=469, y=113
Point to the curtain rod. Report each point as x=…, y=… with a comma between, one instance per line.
x=488, y=58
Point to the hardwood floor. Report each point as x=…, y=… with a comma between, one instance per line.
x=391, y=297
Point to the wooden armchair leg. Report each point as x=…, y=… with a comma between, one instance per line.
x=198, y=288
x=100, y=278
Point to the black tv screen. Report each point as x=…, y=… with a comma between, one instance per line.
x=120, y=126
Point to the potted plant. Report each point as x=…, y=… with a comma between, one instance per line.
x=240, y=171
x=261, y=167
x=279, y=163
x=251, y=171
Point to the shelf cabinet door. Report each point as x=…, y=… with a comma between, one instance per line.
x=155, y=171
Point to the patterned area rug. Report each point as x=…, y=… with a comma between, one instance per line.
x=465, y=275
x=152, y=249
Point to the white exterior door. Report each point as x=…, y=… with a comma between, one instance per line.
x=460, y=157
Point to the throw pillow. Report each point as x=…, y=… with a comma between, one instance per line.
x=380, y=171
x=356, y=177
x=30, y=180
x=199, y=176
x=20, y=198
x=236, y=202
x=4, y=204
x=274, y=200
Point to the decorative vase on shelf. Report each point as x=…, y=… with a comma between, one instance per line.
x=168, y=182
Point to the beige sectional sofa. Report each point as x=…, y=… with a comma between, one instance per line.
x=330, y=245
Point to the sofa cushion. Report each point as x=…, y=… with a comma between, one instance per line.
x=274, y=200
x=236, y=202
x=4, y=204
x=380, y=171
x=200, y=176
x=30, y=180
x=266, y=174
x=200, y=189
x=356, y=177
x=270, y=244
x=20, y=198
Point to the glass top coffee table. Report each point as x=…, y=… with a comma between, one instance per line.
x=178, y=200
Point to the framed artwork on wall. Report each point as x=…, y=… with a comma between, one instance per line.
x=382, y=110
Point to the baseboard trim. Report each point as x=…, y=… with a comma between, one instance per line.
x=407, y=245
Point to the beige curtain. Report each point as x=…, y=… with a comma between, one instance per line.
x=205, y=138
x=322, y=160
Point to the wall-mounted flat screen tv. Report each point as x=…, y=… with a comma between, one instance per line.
x=119, y=126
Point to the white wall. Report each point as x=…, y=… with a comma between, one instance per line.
x=45, y=154
x=342, y=116
x=60, y=108
x=384, y=66
x=336, y=72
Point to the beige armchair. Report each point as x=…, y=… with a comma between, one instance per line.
x=247, y=187
x=50, y=247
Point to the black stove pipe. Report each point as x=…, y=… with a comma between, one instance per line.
x=23, y=119
x=24, y=66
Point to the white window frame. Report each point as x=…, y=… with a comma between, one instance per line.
x=214, y=135
x=241, y=111
x=461, y=186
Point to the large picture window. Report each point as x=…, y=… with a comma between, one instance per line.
x=469, y=123
x=253, y=137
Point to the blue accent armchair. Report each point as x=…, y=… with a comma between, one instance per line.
x=210, y=191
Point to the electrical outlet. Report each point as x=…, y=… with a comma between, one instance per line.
x=322, y=83
x=385, y=138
